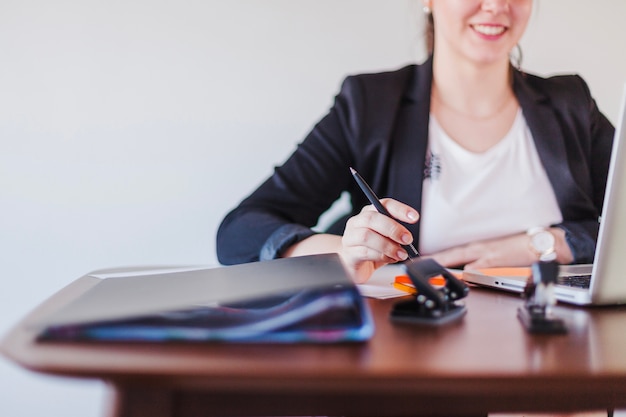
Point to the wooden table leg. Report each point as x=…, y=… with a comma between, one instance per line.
x=140, y=402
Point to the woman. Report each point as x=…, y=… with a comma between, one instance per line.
x=500, y=167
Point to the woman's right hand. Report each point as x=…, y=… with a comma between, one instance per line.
x=371, y=239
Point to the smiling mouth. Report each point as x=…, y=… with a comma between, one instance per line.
x=489, y=30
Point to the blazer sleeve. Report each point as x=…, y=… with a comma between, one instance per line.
x=283, y=210
x=582, y=233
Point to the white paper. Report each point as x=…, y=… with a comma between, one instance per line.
x=380, y=285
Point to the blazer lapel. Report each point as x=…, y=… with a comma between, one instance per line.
x=406, y=165
x=549, y=140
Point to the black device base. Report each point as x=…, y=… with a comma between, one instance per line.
x=413, y=313
x=536, y=315
x=539, y=323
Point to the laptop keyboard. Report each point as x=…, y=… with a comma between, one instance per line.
x=578, y=281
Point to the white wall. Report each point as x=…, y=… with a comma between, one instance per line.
x=129, y=128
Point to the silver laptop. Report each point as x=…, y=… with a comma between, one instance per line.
x=604, y=282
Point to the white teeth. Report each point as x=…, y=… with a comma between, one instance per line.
x=489, y=30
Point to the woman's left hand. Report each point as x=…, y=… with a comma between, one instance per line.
x=513, y=250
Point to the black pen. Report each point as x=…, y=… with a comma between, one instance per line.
x=369, y=193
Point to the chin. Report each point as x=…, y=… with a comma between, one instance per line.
x=490, y=58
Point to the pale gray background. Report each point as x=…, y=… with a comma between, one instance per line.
x=128, y=128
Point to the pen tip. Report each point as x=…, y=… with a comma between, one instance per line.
x=352, y=170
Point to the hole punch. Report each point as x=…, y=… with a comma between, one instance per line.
x=536, y=315
x=433, y=305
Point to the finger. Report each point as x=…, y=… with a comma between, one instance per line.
x=367, y=245
x=383, y=225
x=457, y=256
x=400, y=211
x=365, y=241
x=478, y=264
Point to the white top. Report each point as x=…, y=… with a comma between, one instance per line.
x=471, y=196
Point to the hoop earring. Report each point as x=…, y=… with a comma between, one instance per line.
x=516, y=59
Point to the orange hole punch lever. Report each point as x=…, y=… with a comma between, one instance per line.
x=437, y=294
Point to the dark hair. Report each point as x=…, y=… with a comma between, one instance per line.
x=430, y=33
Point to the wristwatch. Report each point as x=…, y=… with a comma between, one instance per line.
x=542, y=242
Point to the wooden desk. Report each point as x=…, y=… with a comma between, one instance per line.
x=486, y=363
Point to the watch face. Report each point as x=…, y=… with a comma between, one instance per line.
x=543, y=241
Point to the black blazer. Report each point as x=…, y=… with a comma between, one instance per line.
x=379, y=125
